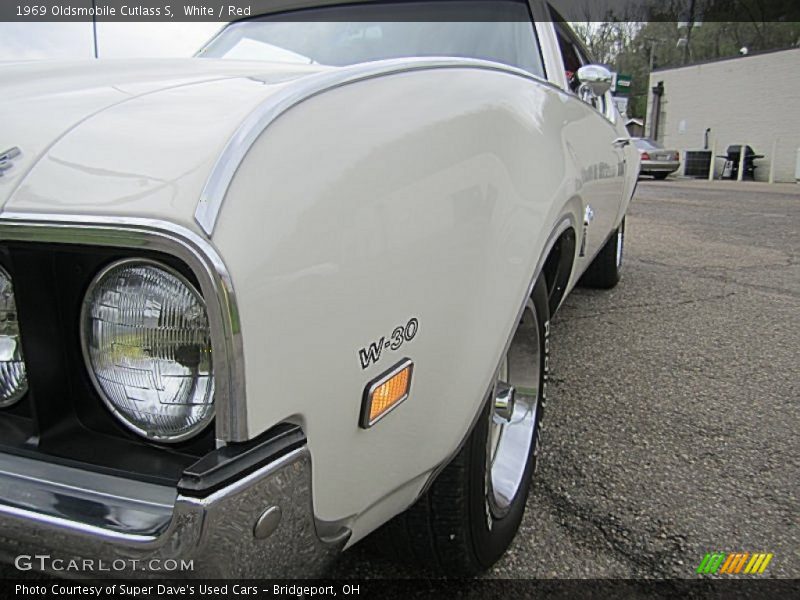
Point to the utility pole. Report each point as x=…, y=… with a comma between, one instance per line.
x=94, y=26
x=689, y=25
x=652, y=43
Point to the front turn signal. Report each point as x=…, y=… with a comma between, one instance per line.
x=386, y=392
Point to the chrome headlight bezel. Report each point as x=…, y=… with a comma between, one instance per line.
x=120, y=417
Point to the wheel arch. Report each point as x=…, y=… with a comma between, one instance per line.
x=557, y=246
x=557, y=268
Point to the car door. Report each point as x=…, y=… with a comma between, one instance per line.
x=594, y=139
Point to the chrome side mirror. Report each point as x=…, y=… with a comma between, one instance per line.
x=595, y=81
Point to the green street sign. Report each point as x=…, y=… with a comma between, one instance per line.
x=622, y=84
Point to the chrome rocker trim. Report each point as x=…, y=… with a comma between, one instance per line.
x=222, y=534
x=202, y=259
x=253, y=126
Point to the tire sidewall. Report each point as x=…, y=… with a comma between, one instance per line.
x=491, y=536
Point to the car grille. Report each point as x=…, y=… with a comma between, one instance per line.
x=61, y=418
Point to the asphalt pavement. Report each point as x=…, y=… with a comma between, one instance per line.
x=673, y=424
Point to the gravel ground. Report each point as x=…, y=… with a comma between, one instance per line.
x=673, y=426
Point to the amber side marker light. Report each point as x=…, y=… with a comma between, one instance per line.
x=386, y=392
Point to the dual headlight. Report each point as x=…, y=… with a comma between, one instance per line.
x=13, y=379
x=147, y=346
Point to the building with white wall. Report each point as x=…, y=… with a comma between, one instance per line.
x=752, y=99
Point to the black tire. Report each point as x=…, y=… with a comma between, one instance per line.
x=450, y=529
x=606, y=268
x=660, y=175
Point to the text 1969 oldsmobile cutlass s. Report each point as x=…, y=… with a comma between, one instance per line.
x=258, y=304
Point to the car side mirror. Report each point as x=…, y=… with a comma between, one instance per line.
x=595, y=81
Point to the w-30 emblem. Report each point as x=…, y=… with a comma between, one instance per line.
x=401, y=334
x=6, y=159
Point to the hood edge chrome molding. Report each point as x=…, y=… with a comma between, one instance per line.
x=216, y=186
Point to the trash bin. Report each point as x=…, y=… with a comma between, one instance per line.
x=698, y=162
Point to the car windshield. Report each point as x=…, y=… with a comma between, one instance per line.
x=345, y=35
x=647, y=144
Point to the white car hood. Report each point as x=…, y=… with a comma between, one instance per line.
x=123, y=137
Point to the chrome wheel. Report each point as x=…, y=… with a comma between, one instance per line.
x=514, y=419
x=469, y=515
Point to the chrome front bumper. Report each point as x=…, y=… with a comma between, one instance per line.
x=122, y=528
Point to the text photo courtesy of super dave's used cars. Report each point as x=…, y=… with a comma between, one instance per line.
x=260, y=304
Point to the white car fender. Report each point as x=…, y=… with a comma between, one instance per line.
x=367, y=206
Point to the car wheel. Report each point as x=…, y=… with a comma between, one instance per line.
x=606, y=268
x=468, y=517
x=660, y=175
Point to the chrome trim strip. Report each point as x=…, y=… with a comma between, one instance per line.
x=197, y=253
x=216, y=187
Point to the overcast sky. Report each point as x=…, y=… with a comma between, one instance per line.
x=32, y=41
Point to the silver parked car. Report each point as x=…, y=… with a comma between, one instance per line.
x=655, y=159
